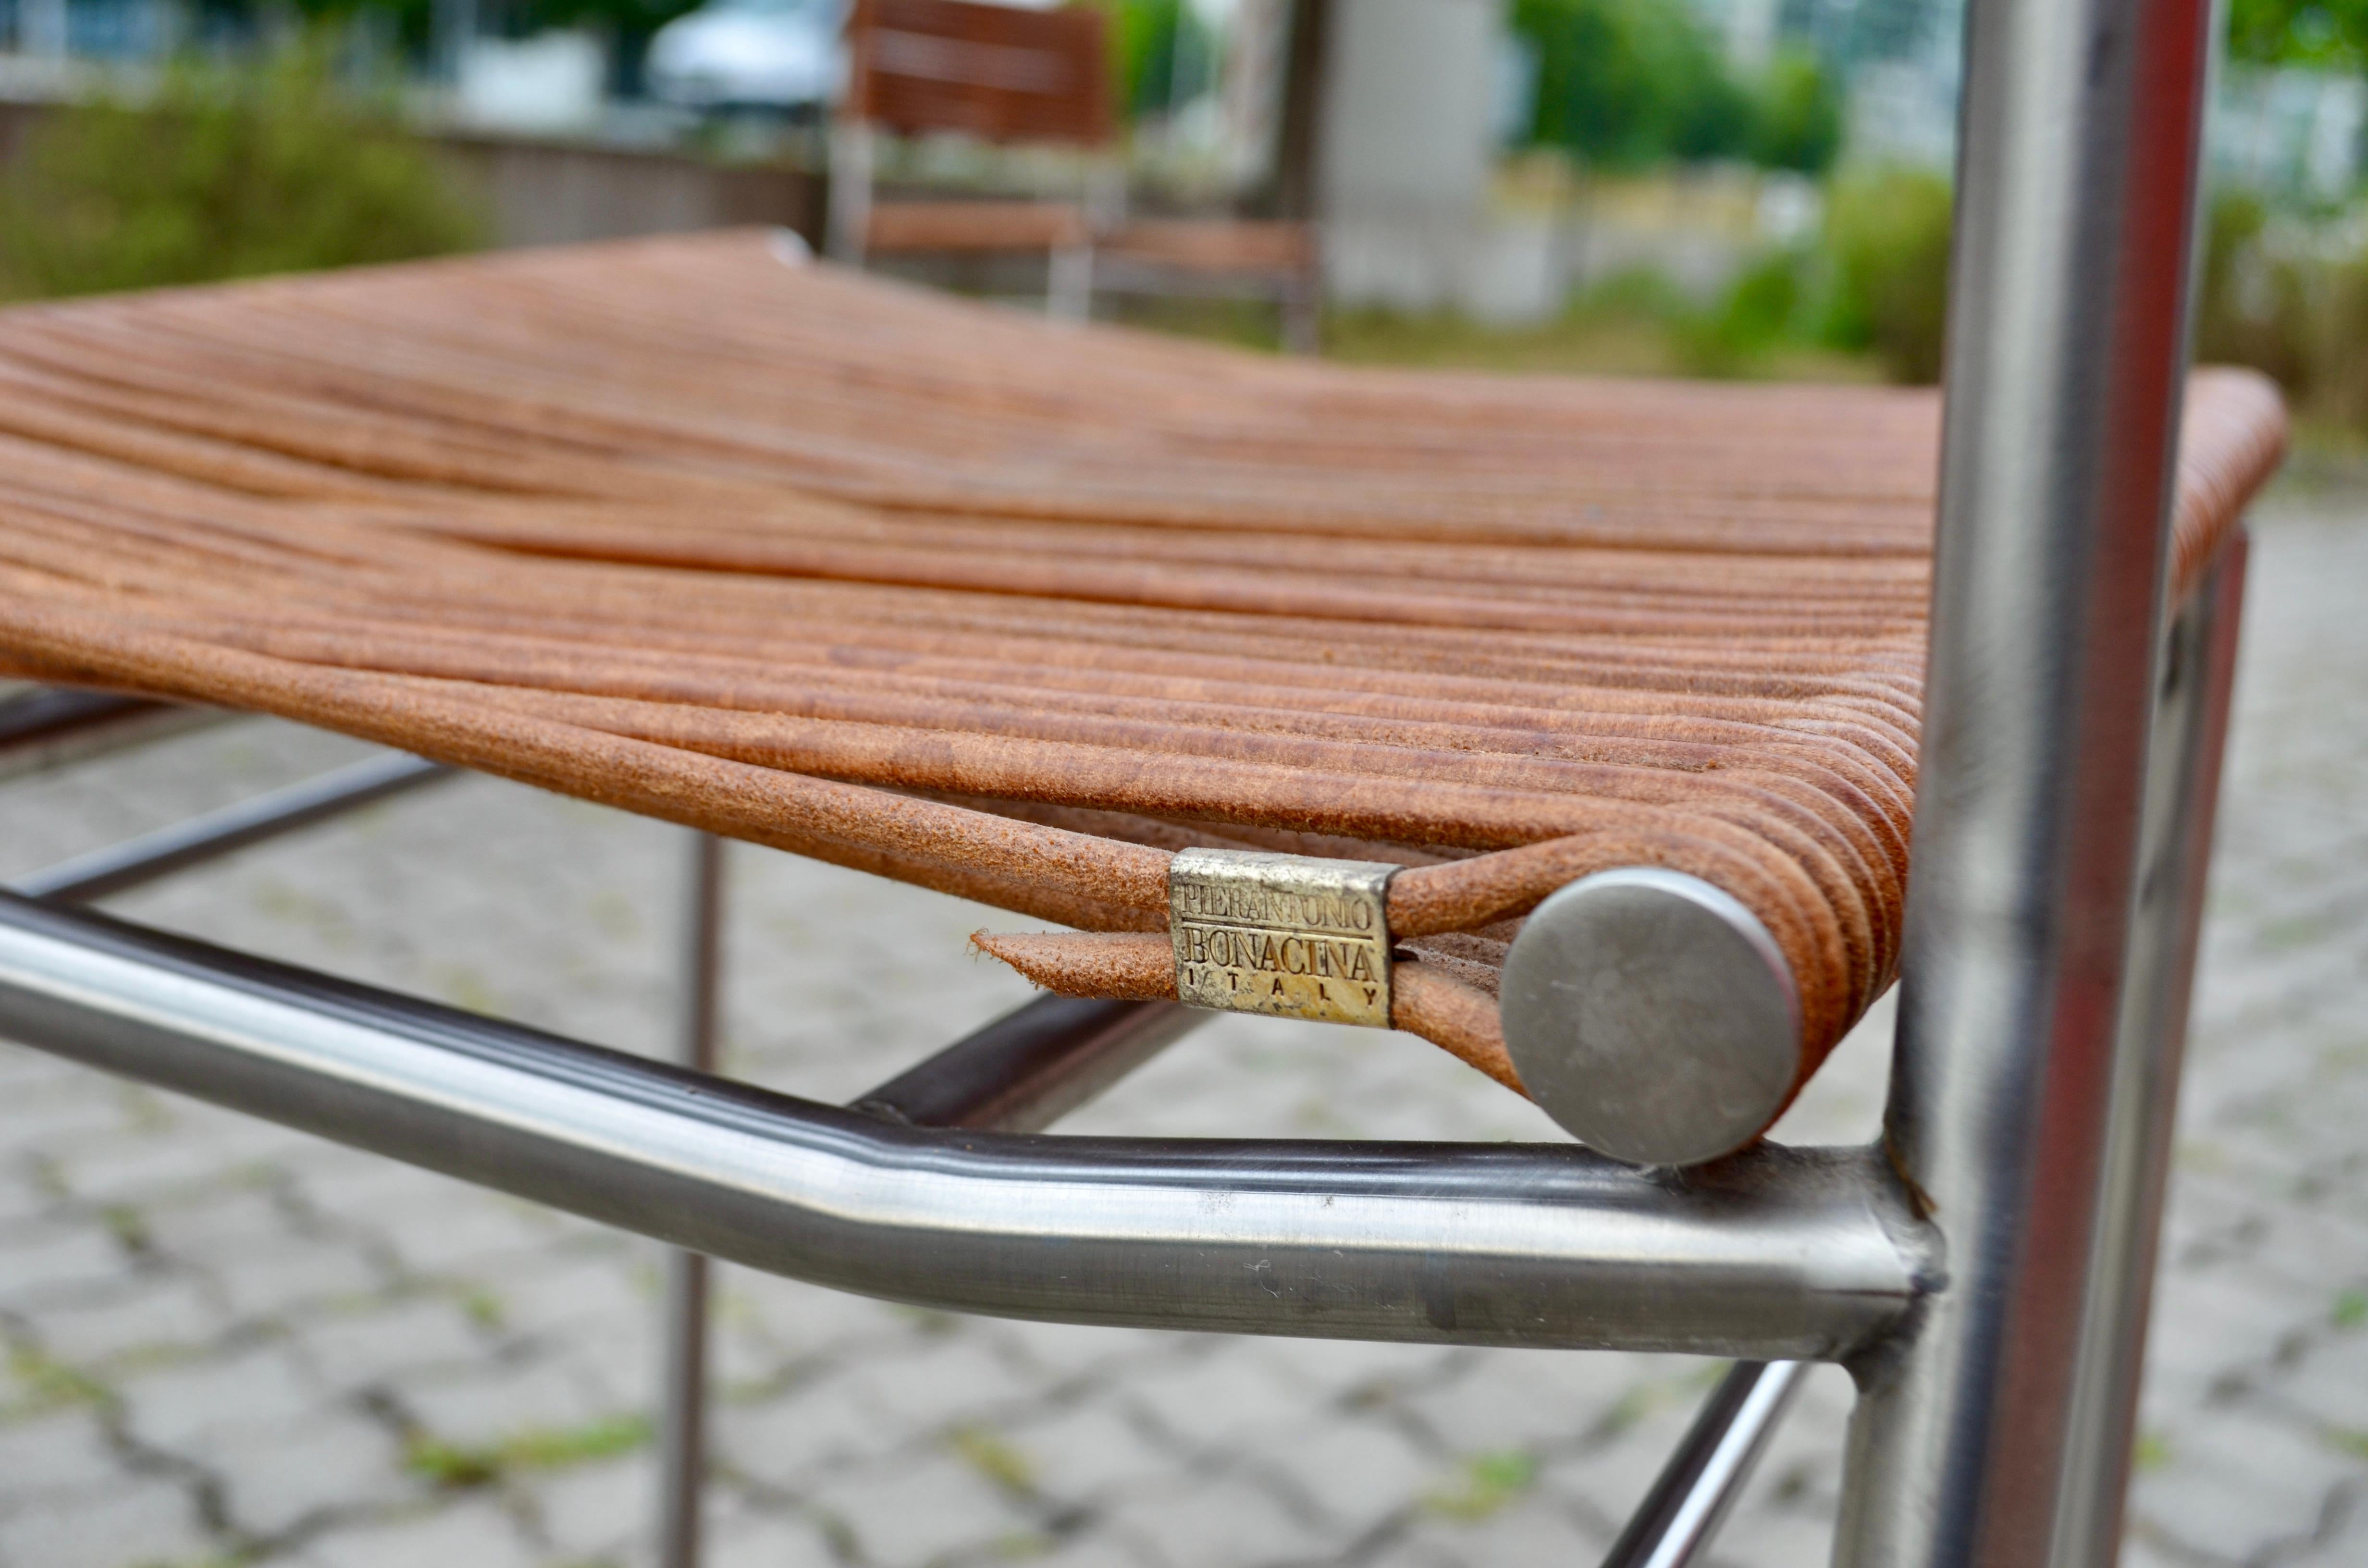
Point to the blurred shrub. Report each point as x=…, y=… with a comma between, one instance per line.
x=2287, y=293
x=2247, y=309
x=1625, y=84
x=1798, y=123
x=1760, y=312
x=1149, y=38
x=2313, y=32
x=222, y=173
x=1886, y=245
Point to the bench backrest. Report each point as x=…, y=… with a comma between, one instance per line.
x=992, y=72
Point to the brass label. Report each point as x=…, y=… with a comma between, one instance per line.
x=1286, y=935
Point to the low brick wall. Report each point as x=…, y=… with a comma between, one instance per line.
x=558, y=192
x=555, y=192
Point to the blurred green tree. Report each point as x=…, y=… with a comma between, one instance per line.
x=2309, y=32
x=224, y=173
x=1886, y=241
x=1149, y=40
x=1798, y=123
x=1626, y=84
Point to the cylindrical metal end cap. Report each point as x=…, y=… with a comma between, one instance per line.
x=1652, y=1015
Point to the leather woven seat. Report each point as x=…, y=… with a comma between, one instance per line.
x=1012, y=610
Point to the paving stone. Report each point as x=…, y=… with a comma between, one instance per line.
x=459, y=1236
x=1776, y=1539
x=557, y=1295
x=2326, y=1384
x=478, y=1533
x=42, y=1116
x=377, y=1341
x=486, y=1405
x=346, y=1185
x=294, y=1277
x=62, y=1453
x=1608, y=1476
x=21, y=1197
x=1096, y=1548
x=1064, y=1350
x=1527, y=1529
x=2137, y=1551
x=2215, y=1323
x=1226, y=1521
x=2344, y=1544
x=905, y=1513
x=238, y=1219
x=1083, y=1451
x=760, y=1541
x=833, y=1420
x=952, y=1379
x=599, y=1511
x=1220, y=1397
x=623, y=1360
x=1800, y=1471
x=1354, y=1371
x=1359, y=1474
x=1409, y=1551
x=184, y=1407
x=142, y=1314
x=276, y=1479
x=139, y=1520
x=47, y=1260
x=803, y=1319
x=148, y=1165
x=2220, y=1482
x=1520, y=1399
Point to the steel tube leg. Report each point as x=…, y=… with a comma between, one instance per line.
x=2190, y=729
x=682, y=1436
x=1702, y=1480
x=2066, y=353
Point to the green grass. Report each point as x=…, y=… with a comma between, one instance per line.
x=482, y=1307
x=993, y=1458
x=126, y=1225
x=2350, y=1309
x=456, y=1465
x=48, y=1384
x=1485, y=1483
x=1613, y=337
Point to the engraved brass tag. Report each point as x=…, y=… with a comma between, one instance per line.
x=1287, y=934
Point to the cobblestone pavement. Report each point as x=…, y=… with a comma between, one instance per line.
x=228, y=1343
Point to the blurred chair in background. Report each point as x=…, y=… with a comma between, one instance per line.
x=1010, y=77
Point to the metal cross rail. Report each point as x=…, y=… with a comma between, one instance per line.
x=1016, y=1075
x=1984, y=1271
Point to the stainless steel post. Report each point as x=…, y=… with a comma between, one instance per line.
x=1703, y=1479
x=2076, y=183
x=44, y=727
x=1031, y=1067
x=135, y=862
x=682, y=1420
x=2183, y=781
x=1775, y=1253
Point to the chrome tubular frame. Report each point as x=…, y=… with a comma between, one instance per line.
x=1983, y=1272
x=682, y=1403
x=2031, y=1080
x=1705, y=1476
x=120, y=867
x=46, y=726
x=1780, y=1254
